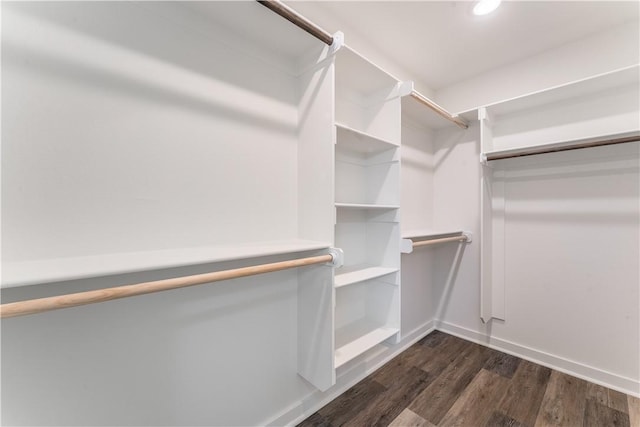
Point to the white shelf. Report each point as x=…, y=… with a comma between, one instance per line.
x=359, y=273
x=431, y=234
x=25, y=273
x=362, y=343
x=424, y=116
x=358, y=73
x=581, y=88
x=365, y=206
x=561, y=144
x=353, y=140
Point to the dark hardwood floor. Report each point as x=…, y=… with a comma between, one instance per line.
x=445, y=381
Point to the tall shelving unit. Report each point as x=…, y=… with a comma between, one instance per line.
x=367, y=202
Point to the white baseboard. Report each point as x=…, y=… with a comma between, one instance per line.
x=567, y=366
x=348, y=378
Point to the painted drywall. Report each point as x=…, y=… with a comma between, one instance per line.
x=416, y=195
x=143, y=109
x=572, y=222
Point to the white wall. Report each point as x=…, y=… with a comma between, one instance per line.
x=456, y=205
x=572, y=227
x=616, y=48
x=572, y=263
x=416, y=195
x=125, y=136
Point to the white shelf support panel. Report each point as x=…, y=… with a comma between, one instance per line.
x=408, y=244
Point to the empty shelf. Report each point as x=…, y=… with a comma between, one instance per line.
x=359, y=273
x=360, y=345
x=365, y=206
x=22, y=273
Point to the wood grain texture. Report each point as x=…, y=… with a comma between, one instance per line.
x=444, y=355
x=385, y=407
x=315, y=420
x=599, y=415
x=499, y=419
x=354, y=400
x=633, y=403
x=525, y=393
x=443, y=380
x=617, y=401
x=408, y=418
x=434, y=402
x=434, y=339
x=413, y=357
x=478, y=401
x=564, y=401
x=598, y=393
x=503, y=364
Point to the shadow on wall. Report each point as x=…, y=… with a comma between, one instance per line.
x=444, y=288
x=51, y=40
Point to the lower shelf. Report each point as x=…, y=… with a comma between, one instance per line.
x=358, y=273
x=362, y=343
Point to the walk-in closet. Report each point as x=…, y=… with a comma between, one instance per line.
x=248, y=213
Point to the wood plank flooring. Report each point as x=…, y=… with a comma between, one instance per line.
x=445, y=381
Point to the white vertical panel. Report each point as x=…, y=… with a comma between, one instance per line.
x=498, y=247
x=316, y=299
x=486, y=233
x=316, y=140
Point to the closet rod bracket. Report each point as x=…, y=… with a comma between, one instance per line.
x=337, y=256
x=338, y=41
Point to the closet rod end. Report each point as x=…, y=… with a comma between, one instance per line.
x=337, y=256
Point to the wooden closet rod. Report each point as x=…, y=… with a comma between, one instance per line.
x=438, y=109
x=462, y=238
x=100, y=295
x=557, y=148
x=295, y=18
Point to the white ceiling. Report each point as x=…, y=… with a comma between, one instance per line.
x=442, y=43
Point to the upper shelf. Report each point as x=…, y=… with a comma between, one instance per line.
x=355, y=73
x=590, y=86
x=423, y=111
x=25, y=273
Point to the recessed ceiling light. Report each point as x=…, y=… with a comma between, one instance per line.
x=484, y=7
